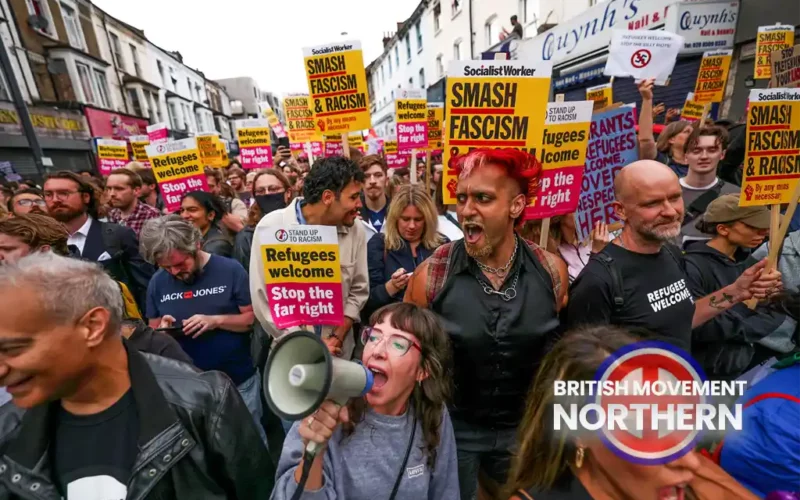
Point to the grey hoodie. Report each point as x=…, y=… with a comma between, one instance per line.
x=788, y=261
x=365, y=464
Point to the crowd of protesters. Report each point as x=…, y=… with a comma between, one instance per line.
x=134, y=340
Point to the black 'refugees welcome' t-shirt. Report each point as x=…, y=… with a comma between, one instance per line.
x=656, y=296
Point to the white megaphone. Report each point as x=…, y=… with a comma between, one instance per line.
x=301, y=373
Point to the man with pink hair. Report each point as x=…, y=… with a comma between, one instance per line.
x=499, y=297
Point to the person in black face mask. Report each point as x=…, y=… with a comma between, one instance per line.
x=271, y=191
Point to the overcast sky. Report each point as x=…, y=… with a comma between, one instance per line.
x=259, y=38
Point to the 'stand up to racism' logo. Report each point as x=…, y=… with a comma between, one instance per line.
x=281, y=235
x=657, y=365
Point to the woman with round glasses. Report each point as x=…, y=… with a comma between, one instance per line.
x=397, y=442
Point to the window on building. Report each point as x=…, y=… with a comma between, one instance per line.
x=155, y=110
x=137, y=69
x=255, y=92
x=116, y=50
x=4, y=93
x=161, y=73
x=422, y=78
x=411, y=82
x=393, y=94
x=41, y=9
x=455, y=7
x=390, y=65
x=73, y=26
x=527, y=12
x=85, y=76
x=383, y=75
x=490, y=31
x=101, y=85
x=198, y=93
x=418, y=30
x=172, y=111
x=592, y=3
x=135, y=103
x=457, y=50
x=437, y=17
x=397, y=54
x=408, y=49
x=439, y=66
x=173, y=80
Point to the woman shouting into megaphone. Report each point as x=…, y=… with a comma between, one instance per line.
x=397, y=441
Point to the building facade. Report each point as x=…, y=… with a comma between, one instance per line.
x=441, y=31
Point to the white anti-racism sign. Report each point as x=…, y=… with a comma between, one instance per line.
x=643, y=54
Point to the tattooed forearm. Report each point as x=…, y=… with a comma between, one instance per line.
x=720, y=302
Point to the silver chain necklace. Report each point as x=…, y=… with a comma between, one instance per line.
x=507, y=294
x=500, y=271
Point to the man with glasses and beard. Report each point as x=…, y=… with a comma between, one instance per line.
x=203, y=300
x=27, y=201
x=638, y=280
x=70, y=200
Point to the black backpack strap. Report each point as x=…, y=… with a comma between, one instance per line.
x=617, y=295
x=676, y=254
x=699, y=205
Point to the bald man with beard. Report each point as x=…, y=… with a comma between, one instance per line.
x=638, y=280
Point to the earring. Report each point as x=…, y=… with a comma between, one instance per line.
x=579, y=458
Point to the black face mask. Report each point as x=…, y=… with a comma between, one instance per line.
x=271, y=202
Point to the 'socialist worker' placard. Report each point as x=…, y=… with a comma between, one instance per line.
x=302, y=275
x=138, y=143
x=299, y=119
x=411, y=116
x=772, y=162
x=563, y=155
x=692, y=110
x=493, y=104
x=208, y=146
x=435, y=122
x=111, y=155
x=601, y=95
x=254, y=143
x=768, y=40
x=178, y=170
x=338, y=87
x=713, y=74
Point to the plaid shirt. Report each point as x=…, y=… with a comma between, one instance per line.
x=141, y=214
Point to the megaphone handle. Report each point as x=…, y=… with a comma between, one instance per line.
x=312, y=447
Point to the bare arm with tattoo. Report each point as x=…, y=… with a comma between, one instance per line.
x=755, y=282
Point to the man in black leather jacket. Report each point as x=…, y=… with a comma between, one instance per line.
x=91, y=414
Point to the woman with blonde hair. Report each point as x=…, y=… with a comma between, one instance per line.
x=410, y=235
x=552, y=465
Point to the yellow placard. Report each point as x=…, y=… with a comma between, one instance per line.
x=389, y=147
x=356, y=141
x=251, y=137
x=112, y=152
x=768, y=40
x=772, y=160
x=337, y=85
x=602, y=95
x=713, y=74
x=301, y=263
x=138, y=144
x=493, y=104
x=208, y=145
x=175, y=160
x=299, y=119
x=435, y=124
x=692, y=110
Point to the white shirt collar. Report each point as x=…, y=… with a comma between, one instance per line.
x=692, y=188
x=84, y=229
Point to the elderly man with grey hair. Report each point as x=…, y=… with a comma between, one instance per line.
x=205, y=300
x=94, y=418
